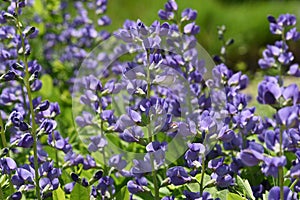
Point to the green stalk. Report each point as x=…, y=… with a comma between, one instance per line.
x=202, y=176
x=103, y=152
x=280, y=170
x=56, y=153
x=3, y=138
x=150, y=135
x=29, y=95
x=293, y=184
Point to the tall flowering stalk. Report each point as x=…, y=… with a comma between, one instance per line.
x=273, y=92
x=25, y=53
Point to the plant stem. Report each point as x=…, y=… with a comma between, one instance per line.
x=280, y=170
x=150, y=135
x=293, y=184
x=29, y=95
x=56, y=153
x=202, y=176
x=3, y=138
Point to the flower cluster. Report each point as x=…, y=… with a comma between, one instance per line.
x=158, y=119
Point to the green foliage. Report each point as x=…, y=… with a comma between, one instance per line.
x=80, y=193
x=58, y=194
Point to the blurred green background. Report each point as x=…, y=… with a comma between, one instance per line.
x=246, y=22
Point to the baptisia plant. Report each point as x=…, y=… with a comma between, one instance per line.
x=157, y=117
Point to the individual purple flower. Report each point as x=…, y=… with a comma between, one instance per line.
x=24, y=175
x=142, y=165
x=286, y=58
x=194, y=154
x=69, y=187
x=294, y=70
x=104, y=21
x=97, y=143
x=288, y=116
x=269, y=91
x=274, y=193
x=225, y=134
x=215, y=163
x=59, y=142
x=178, y=175
x=26, y=141
x=137, y=185
x=47, y=126
x=272, y=140
x=123, y=122
x=73, y=159
x=271, y=165
x=295, y=171
x=7, y=165
x=117, y=162
x=106, y=184
x=188, y=14
x=16, y=196
x=171, y=5
x=47, y=184
x=252, y=155
x=157, y=150
x=135, y=116
x=191, y=28
x=89, y=162
x=85, y=119
x=291, y=93
x=132, y=134
x=191, y=195
x=286, y=20
x=293, y=34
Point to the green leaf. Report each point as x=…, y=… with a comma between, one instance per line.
x=248, y=190
x=80, y=193
x=145, y=195
x=123, y=194
x=47, y=87
x=245, y=186
x=193, y=187
x=222, y=194
x=58, y=194
x=233, y=196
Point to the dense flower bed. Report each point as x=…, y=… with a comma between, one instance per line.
x=158, y=119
